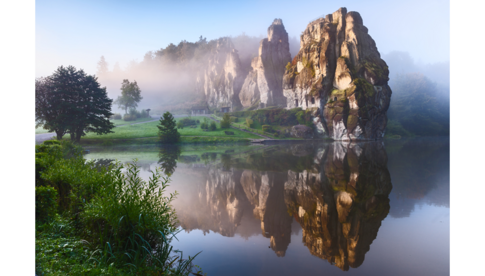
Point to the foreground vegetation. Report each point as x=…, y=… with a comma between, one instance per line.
x=100, y=218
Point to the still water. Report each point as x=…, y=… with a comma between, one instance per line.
x=374, y=208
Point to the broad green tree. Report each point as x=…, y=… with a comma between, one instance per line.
x=130, y=95
x=70, y=101
x=167, y=130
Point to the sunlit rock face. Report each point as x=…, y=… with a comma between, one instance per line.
x=339, y=73
x=221, y=80
x=340, y=207
x=263, y=84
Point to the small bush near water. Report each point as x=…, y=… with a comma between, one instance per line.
x=134, y=114
x=116, y=116
x=213, y=126
x=108, y=222
x=226, y=121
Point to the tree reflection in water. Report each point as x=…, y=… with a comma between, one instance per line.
x=168, y=156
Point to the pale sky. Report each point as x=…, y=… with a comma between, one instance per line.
x=79, y=32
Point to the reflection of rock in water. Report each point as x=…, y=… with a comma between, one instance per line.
x=341, y=207
x=219, y=204
x=265, y=192
x=338, y=193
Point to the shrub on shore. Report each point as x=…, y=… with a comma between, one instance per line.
x=126, y=223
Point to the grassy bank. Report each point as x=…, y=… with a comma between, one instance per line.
x=155, y=140
x=100, y=218
x=122, y=122
x=147, y=133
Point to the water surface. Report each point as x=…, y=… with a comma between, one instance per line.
x=369, y=208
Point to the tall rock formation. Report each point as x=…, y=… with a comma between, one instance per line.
x=263, y=84
x=339, y=73
x=222, y=78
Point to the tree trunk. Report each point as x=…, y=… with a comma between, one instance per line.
x=79, y=133
x=73, y=137
x=59, y=134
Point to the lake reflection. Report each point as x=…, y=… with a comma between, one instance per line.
x=365, y=208
x=338, y=194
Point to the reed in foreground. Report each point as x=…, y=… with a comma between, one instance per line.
x=102, y=218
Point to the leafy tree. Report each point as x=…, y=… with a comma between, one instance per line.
x=102, y=67
x=70, y=101
x=130, y=95
x=226, y=121
x=167, y=130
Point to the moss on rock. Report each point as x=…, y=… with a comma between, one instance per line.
x=352, y=122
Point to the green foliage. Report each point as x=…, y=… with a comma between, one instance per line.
x=288, y=66
x=226, y=121
x=352, y=122
x=204, y=125
x=132, y=219
x=364, y=86
x=267, y=128
x=126, y=223
x=116, y=116
x=130, y=95
x=213, y=126
x=188, y=121
x=276, y=116
x=45, y=203
x=167, y=132
x=129, y=117
x=70, y=101
x=229, y=132
x=249, y=122
x=234, y=119
x=134, y=114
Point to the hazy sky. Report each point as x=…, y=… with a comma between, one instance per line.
x=79, y=32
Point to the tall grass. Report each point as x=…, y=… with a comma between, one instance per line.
x=125, y=222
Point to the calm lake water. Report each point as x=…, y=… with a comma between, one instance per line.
x=374, y=208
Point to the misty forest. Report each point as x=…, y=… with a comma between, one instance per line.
x=246, y=155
